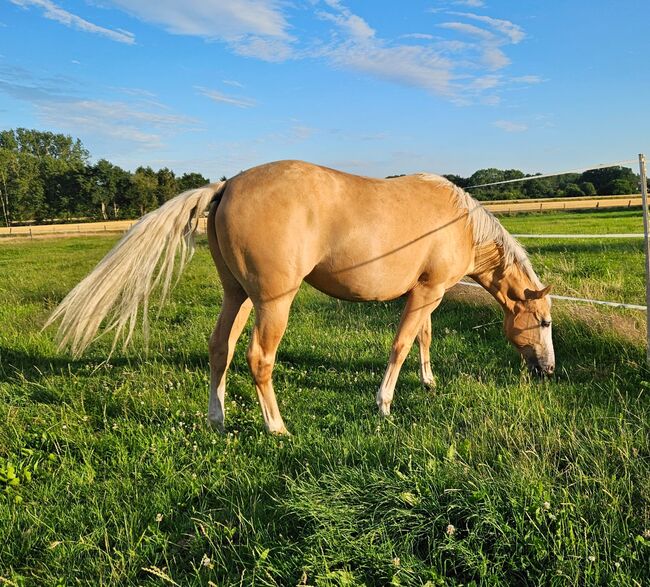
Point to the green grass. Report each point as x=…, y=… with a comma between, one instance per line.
x=619, y=221
x=121, y=483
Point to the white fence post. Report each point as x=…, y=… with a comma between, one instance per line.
x=644, y=197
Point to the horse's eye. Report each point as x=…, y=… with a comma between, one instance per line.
x=545, y=323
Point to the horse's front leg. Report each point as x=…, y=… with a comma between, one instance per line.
x=421, y=302
x=424, y=344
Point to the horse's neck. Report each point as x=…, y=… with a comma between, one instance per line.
x=505, y=281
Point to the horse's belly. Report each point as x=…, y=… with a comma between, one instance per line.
x=362, y=283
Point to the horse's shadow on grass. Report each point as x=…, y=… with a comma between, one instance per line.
x=19, y=365
x=583, y=356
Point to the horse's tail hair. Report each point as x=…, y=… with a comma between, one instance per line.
x=124, y=279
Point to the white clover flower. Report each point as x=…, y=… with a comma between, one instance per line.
x=451, y=530
x=159, y=518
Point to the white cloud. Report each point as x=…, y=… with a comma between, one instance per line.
x=255, y=28
x=469, y=29
x=405, y=64
x=115, y=120
x=514, y=33
x=260, y=29
x=528, y=79
x=361, y=50
x=211, y=18
x=494, y=58
x=455, y=68
x=123, y=124
x=486, y=82
x=490, y=38
x=267, y=49
x=231, y=82
x=217, y=96
x=354, y=25
x=422, y=36
x=509, y=126
x=58, y=14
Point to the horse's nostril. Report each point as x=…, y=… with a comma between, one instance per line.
x=550, y=369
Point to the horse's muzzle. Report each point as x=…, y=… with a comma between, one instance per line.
x=540, y=370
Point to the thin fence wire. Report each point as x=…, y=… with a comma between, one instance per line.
x=531, y=177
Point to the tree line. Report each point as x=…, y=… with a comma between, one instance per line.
x=46, y=176
x=608, y=181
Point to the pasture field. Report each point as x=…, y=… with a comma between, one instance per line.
x=109, y=475
x=618, y=221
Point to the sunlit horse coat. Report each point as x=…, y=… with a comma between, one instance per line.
x=356, y=238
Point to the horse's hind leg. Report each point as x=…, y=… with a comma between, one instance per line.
x=420, y=303
x=424, y=344
x=235, y=310
x=270, y=323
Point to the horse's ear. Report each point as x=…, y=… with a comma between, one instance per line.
x=532, y=294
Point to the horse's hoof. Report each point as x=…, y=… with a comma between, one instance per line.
x=384, y=409
x=430, y=384
x=281, y=432
x=217, y=426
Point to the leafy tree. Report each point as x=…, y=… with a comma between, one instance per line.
x=537, y=188
x=620, y=186
x=23, y=196
x=603, y=180
x=44, y=175
x=62, y=183
x=189, y=181
x=143, y=191
x=45, y=144
x=573, y=189
x=106, y=187
x=167, y=185
x=588, y=188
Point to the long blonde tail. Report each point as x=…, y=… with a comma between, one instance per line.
x=123, y=280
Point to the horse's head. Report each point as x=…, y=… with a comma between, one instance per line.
x=528, y=328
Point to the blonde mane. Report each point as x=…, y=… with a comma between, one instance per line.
x=486, y=230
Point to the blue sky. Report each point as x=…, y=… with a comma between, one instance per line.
x=375, y=88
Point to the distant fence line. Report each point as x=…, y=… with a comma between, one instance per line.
x=496, y=206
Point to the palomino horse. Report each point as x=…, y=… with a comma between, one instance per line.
x=354, y=238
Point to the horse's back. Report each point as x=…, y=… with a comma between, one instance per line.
x=350, y=236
